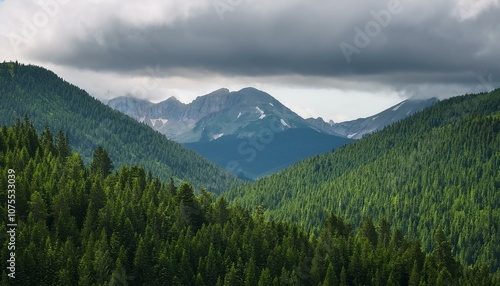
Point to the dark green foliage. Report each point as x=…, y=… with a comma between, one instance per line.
x=128, y=228
x=48, y=100
x=101, y=163
x=438, y=169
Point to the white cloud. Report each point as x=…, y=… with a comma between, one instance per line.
x=469, y=9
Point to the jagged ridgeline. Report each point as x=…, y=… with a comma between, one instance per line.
x=50, y=101
x=436, y=169
x=79, y=225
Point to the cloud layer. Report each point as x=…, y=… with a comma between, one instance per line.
x=413, y=47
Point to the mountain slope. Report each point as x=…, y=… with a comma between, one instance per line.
x=248, y=132
x=436, y=169
x=255, y=158
x=242, y=113
x=48, y=100
x=358, y=128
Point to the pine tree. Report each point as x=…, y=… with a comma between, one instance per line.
x=393, y=279
x=171, y=187
x=63, y=145
x=251, y=273
x=47, y=141
x=444, y=278
x=442, y=252
x=368, y=230
x=190, y=212
x=343, y=277
x=119, y=275
x=265, y=278
x=38, y=207
x=414, y=275
x=330, y=278
x=232, y=277
x=101, y=163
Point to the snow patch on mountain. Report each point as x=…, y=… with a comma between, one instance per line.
x=161, y=121
x=158, y=122
x=215, y=137
x=284, y=123
x=262, y=114
x=352, y=135
x=397, y=107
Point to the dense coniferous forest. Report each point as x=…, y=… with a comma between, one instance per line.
x=96, y=225
x=88, y=123
x=438, y=169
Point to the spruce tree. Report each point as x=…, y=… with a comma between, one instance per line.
x=101, y=163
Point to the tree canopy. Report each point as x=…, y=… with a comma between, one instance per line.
x=435, y=170
x=129, y=228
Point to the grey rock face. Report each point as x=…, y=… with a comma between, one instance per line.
x=358, y=128
x=242, y=113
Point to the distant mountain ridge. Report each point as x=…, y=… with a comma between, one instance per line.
x=209, y=117
x=221, y=112
x=356, y=129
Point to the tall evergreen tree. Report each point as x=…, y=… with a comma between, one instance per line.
x=101, y=163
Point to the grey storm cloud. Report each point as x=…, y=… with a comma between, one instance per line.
x=420, y=44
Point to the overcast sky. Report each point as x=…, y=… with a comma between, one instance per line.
x=336, y=59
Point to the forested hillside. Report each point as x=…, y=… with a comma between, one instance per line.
x=78, y=225
x=255, y=159
x=436, y=169
x=50, y=101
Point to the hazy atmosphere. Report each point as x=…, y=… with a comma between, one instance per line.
x=332, y=59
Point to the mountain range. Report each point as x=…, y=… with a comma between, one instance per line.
x=249, y=132
x=241, y=113
x=221, y=113
x=356, y=129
